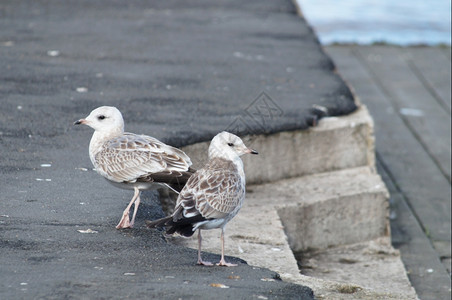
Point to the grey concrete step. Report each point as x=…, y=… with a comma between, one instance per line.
x=329, y=209
x=336, y=143
x=373, y=265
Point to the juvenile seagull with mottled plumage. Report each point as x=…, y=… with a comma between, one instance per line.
x=133, y=161
x=213, y=195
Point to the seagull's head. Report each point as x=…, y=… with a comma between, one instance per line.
x=229, y=146
x=104, y=119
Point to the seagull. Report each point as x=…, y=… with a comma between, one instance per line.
x=213, y=195
x=132, y=161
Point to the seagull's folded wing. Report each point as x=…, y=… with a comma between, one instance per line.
x=212, y=194
x=130, y=157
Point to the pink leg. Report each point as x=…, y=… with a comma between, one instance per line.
x=200, y=261
x=222, y=261
x=125, y=222
x=135, y=208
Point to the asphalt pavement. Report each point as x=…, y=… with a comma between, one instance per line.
x=179, y=71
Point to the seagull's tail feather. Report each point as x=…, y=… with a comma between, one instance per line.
x=175, y=180
x=184, y=230
x=182, y=226
x=158, y=223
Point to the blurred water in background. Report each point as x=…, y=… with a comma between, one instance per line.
x=401, y=22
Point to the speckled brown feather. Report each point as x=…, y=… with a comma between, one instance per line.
x=214, y=192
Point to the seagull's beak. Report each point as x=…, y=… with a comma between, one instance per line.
x=81, y=121
x=251, y=151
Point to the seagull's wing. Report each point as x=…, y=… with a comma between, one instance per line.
x=130, y=157
x=211, y=193
x=176, y=180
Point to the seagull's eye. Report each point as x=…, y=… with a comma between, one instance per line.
x=230, y=144
x=101, y=117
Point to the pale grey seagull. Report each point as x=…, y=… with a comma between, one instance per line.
x=213, y=195
x=132, y=161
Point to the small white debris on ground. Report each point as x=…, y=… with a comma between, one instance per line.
x=81, y=89
x=87, y=231
x=219, y=285
x=53, y=53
